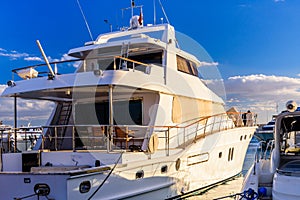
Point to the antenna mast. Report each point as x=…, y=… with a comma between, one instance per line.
x=154, y=13
x=132, y=6
x=162, y=8
x=86, y=23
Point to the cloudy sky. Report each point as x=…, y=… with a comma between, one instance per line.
x=255, y=44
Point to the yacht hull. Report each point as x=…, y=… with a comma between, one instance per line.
x=205, y=162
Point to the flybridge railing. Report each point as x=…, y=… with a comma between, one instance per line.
x=31, y=71
x=119, y=63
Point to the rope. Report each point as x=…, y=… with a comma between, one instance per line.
x=249, y=194
x=106, y=177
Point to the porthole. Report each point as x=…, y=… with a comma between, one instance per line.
x=85, y=186
x=41, y=189
x=220, y=154
x=245, y=137
x=177, y=165
x=164, y=169
x=139, y=174
x=241, y=138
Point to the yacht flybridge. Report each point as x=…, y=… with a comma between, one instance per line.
x=134, y=121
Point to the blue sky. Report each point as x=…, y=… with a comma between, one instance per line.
x=256, y=43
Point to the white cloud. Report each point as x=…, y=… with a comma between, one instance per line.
x=13, y=55
x=36, y=112
x=262, y=85
x=33, y=58
x=207, y=64
x=264, y=94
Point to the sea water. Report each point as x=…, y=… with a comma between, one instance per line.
x=233, y=186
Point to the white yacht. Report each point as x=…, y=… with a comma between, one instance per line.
x=134, y=121
x=277, y=177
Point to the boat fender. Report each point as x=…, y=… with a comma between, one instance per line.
x=249, y=194
x=262, y=191
x=153, y=143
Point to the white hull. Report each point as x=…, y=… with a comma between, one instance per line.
x=200, y=166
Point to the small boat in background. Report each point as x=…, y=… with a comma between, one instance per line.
x=26, y=137
x=265, y=132
x=277, y=176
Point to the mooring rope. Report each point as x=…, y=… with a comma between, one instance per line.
x=106, y=177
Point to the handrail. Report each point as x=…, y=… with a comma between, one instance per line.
x=130, y=60
x=44, y=64
x=189, y=131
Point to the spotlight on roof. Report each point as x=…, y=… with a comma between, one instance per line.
x=291, y=106
x=98, y=72
x=11, y=83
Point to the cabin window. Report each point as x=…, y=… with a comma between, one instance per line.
x=125, y=112
x=107, y=63
x=230, y=154
x=186, y=66
x=150, y=58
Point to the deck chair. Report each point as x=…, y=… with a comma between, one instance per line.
x=98, y=136
x=121, y=136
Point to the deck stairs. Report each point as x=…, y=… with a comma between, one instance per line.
x=64, y=111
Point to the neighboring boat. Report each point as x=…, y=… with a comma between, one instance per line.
x=135, y=121
x=265, y=132
x=26, y=137
x=278, y=177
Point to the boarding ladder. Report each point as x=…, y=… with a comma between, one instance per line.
x=61, y=122
x=124, y=53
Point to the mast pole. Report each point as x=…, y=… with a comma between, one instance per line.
x=15, y=123
x=132, y=6
x=154, y=13
x=111, y=117
x=45, y=58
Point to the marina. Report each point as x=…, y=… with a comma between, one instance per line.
x=135, y=120
x=120, y=100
